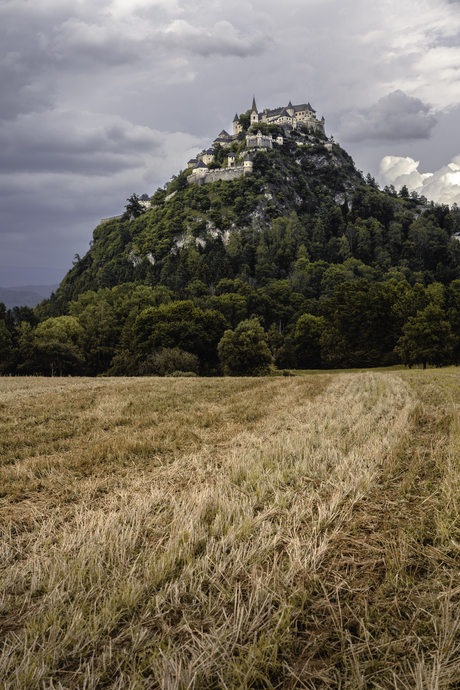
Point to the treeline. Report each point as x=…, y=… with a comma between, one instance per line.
x=135, y=329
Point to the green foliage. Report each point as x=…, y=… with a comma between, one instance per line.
x=244, y=351
x=307, y=338
x=6, y=348
x=179, y=325
x=267, y=128
x=427, y=338
x=55, y=345
x=168, y=361
x=245, y=120
x=134, y=208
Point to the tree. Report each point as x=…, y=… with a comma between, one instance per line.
x=308, y=333
x=55, y=344
x=233, y=307
x=427, y=339
x=166, y=361
x=179, y=324
x=6, y=348
x=244, y=351
x=134, y=208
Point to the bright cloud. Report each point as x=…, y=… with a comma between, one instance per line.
x=442, y=186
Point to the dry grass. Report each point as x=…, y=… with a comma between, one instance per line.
x=230, y=533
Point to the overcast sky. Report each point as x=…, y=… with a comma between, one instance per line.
x=103, y=98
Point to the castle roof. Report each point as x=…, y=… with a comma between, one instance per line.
x=200, y=164
x=144, y=197
x=236, y=118
x=192, y=160
x=210, y=151
x=278, y=112
x=303, y=106
x=282, y=112
x=231, y=155
x=224, y=134
x=254, y=107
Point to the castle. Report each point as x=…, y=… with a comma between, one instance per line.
x=289, y=118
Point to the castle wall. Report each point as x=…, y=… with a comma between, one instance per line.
x=106, y=220
x=220, y=174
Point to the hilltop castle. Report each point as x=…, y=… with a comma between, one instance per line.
x=289, y=118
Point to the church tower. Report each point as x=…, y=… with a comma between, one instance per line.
x=254, y=113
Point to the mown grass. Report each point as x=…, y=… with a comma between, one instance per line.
x=231, y=533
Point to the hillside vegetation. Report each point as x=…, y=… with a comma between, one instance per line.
x=233, y=533
x=337, y=273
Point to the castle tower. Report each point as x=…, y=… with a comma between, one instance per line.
x=254, y=113
x=236, y=125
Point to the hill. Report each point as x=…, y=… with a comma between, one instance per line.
x=25, y=296
x=332, y=267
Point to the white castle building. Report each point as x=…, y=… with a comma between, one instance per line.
x=289, y=116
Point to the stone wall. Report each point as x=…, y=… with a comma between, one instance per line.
x=106, y=220
x=219, y=174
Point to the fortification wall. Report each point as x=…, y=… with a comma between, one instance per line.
x=106, y=220
x=219, y=174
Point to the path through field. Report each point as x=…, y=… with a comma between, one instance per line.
x=230, y=533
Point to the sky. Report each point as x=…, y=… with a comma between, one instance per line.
x=103, y=98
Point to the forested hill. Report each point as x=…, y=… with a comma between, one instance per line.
x=228, y=229
x=334, y=269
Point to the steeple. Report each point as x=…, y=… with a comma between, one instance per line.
x=254, y=107
x=236, y=118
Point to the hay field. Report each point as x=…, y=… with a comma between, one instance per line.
x=230, y=533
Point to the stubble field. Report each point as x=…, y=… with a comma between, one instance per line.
x=230, y=533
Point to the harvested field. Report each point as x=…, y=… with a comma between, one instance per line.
x=231, y=533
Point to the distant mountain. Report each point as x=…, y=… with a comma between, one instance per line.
x=42, y=290
x=26, y=295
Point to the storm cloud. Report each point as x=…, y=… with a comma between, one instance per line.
x=395, y=117
x=101, y=98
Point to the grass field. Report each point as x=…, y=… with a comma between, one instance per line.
x=177, y=533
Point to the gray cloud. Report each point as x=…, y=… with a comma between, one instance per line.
x=76, y=41
x=25, y=85
x=74, y=142
x=393, y=118
x=220, y=39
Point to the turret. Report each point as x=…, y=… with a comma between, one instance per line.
x=237, y=128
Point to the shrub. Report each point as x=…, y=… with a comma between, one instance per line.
x=169, y=361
